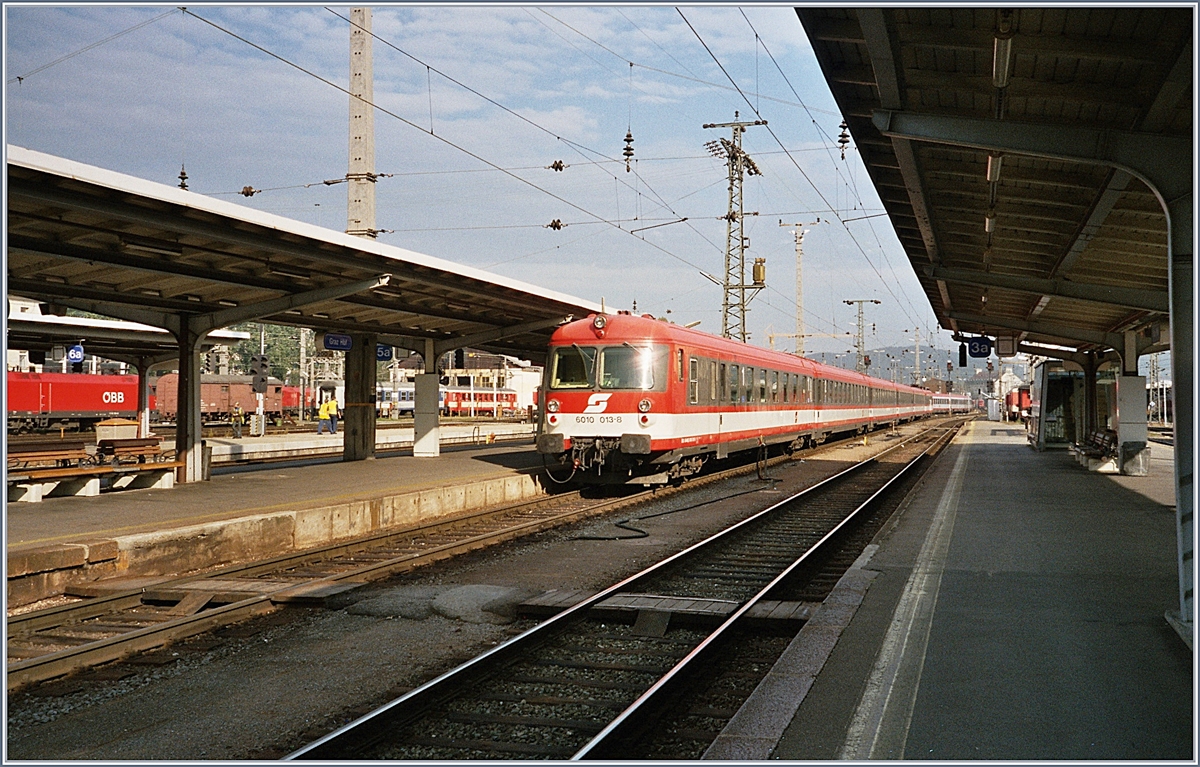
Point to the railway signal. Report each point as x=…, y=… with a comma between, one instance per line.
x=259, y=369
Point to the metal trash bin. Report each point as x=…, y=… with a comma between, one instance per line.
x=206, y=460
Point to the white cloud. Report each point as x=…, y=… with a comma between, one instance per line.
x=180, y=91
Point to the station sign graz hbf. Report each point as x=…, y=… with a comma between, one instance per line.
x=337, y=342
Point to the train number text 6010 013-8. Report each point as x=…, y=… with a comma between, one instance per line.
x=597, y=419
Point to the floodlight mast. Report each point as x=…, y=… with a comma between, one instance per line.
x=734, y=301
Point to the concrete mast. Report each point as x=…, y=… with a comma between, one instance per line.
x=360, y=178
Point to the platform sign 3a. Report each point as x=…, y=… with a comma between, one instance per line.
x=979, y=347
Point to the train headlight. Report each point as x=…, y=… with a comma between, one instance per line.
x=644, y=406
x=599, y=321
x=552, y=406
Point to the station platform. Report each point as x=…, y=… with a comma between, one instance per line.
x=226, y=449
x=1012, y=610
x=250, y=512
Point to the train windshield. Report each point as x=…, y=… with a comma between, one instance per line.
x=574, y=367
x=633, y=367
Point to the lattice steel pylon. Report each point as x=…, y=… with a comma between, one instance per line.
x=733, y=304
x=859, y=342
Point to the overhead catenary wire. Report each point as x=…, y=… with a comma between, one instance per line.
x=442, y=139
x=820, y=194
x=829, y=146
x=738, y=89
x=21, y=78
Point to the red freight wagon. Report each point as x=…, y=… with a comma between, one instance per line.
x=218, y=395
x=69, y=400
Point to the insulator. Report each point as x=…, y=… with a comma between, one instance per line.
x=249, y=191
x=555, y=225
x=628, y=150
x=557, y=165
x=760, y=271
x=844, y=138
x=182, y=178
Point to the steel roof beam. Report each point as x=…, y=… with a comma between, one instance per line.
x=172, y=315
x=461, y=342
x=1163, y=162
x=1132, y=298
x=1115, y=341
x=342, y=258
x=883, y=62
x=229, y=316
x=1114, y=190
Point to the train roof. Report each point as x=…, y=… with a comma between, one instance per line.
x=624, y=326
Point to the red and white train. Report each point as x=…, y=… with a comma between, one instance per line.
x=952, y=402
x=636, y=400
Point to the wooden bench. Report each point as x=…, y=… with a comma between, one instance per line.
x=59, y=453
x=1098, y=444
x=31, y=485
x=140, y=449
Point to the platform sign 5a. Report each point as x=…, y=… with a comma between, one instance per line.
x=75, y=353
x=979, y=347
x=383, y=353
x=338, y=342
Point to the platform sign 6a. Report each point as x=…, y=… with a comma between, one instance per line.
x=979, y=347
x=383, y=353
x=338, y=342
x=75, y=353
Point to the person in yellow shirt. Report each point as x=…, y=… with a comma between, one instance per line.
x=327, y=416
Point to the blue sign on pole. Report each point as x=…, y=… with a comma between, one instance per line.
x=75, y=353
x=338, y=342
x=979, y=347
x=383, y=353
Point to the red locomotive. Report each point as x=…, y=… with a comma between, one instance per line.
x=637, y=400
x=39, y=401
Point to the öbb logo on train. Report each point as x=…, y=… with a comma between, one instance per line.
x=597, y=403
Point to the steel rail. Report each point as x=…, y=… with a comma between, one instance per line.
x=58, y=663
x=373, y=726
x=605, y=743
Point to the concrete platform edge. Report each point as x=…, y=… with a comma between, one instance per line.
x=759, y=724
x=42, y=572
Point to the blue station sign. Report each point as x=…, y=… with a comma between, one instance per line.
x=383, y=353
x=337, y=342
x=979, y=347
x=75, y=353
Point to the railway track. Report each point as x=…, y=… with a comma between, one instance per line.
x=596, y=680
x=107, y=624
x=167, y=432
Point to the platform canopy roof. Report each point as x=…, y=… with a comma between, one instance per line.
x=110, y=339
x=87, y=238
x=1005, y=243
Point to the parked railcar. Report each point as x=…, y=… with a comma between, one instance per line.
x=952, y=403
x=76, y=401
x=633, y=399
x=1016, y=404
x=465, y=401
x=218, y=395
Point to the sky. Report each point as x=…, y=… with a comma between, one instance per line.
x=474, y=104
